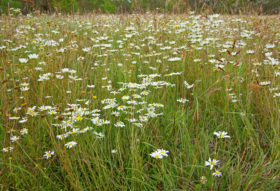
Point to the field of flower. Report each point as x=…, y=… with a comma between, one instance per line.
x=140, y=102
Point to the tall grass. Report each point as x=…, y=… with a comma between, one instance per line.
x=211, y=52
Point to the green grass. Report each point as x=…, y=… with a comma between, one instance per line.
x=228, y=95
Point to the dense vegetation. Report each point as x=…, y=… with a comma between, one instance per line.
x=130, y=6
x=139, y=102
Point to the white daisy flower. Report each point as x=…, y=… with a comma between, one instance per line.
x=211, y=163
x=221, y=134
x=71, y=144
x=48, y=154
x=217, y=173
x=156, y=155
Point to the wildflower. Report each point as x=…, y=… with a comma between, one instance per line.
x=63, y=136
x=125, y=98
x=60, y=77
x=6, y=149
x=61, y=50
x=269, y=45
x=119, y=124
x=151, y=114
x=157, y=105
x=174, y=59
x=43, y=108
x=138, y=124
x=115, y=113
x=24, y=84
x=51, y=43
x=106, y=122
x=132, y=120
x=122, y=107
x=212, y=163
x=132, y=102
x=33, y=56
x=143, y=118
x=23, y=89
x=145, y=93
x=112, y=105
x=31, y=111
x=156, y=155
x=86, y=49
x=217, y=173
x=48, y=154
x=23, y=120
x=16, y=109
x=265, y=83
x=23, y=60
x=114, y=151
x=99, y=135
x=163, y=152
x=14, y=138
x=136, y=96
x=182, y=100
x=187, y=85
x=71, y=144
x=52, y=112
x=221, y=134
x=250, y=51
x=24, y=131
x=90, y=86
x=74, y=131
x=114, y=92
x=84, y=130
x=14, y=118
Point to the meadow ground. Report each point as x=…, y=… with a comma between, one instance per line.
x=140, y=102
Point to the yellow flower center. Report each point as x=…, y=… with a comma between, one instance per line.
x=79, y=118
